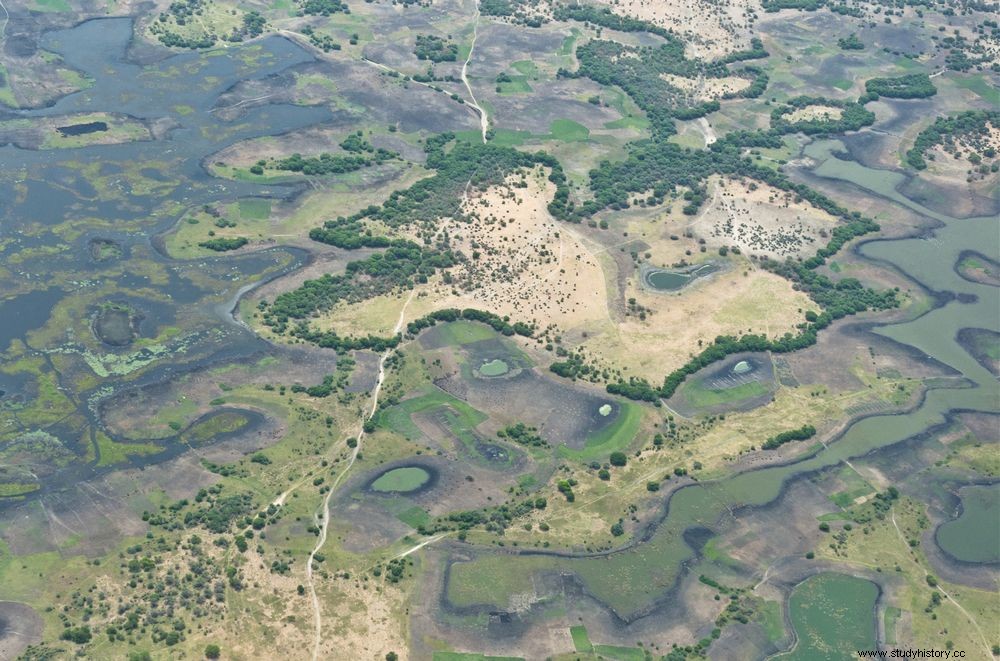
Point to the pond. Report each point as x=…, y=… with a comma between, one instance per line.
x=82, y=129
x=666, y=280
x=115, y=324
x=975, y=535
x=495, y=367
x=401, y=480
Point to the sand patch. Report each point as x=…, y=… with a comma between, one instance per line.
x=707, y=89
x=521, y=263
x=761, y=220
x=814, y=113
x=740, y=300
x=710, y=29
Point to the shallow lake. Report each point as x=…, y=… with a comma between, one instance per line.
x=401, y=480
x=667, y=280
x=975, y=535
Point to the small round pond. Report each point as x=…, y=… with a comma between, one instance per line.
x=495, y=367
x=667, y=280
x=401, y=480
x=116, y=324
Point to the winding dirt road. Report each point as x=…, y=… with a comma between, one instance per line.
x=323, y=517
x=484, y=121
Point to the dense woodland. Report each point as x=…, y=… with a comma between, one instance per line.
x=435, y=49
x=912, y=86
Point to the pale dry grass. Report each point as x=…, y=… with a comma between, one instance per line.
x=707, y=89
x=522, y=263
x=761, y=220
x=533, y=269
x=710, y=28
x=818, y=112
x=682, y=324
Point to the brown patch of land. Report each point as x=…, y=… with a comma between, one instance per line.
x=710, y=29
x=521, y=263
x=761, y=220
x=814, y=113
x=678, y=325
x=706, y=89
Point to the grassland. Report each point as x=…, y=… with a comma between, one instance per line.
x=892, y=545
x=573, y=280
x=833, y=617
x=700, y=396
x=408, y=478
x=463, y=422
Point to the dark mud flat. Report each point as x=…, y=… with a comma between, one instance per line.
x=20, y=626
x=983, y=345
x=83, y=129
x=563, y=414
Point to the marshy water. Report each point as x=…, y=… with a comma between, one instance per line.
x=79, y=225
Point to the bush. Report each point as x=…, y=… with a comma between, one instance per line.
x=803, y=433
x=912, y=86
x=223, y=245
x=212, y=651
x=78, y=635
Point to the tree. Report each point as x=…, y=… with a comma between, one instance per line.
x=618, y=459
x=391, y=656
x=212, y=651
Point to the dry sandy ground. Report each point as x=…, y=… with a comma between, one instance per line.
x=529, y=267
x=706, y=89
x=534, y=269
x=761, y=220
x=814, y=112
x=953, y=163
x=736, y=301
x=358, y=622
x=710, y=28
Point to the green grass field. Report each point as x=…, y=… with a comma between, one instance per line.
x=255, y=209
x=581, y=641
x=833, y=616
x=568, y=131
x=462, y=417
x=701, y=397
x=465, y=332
x=615, y=436
x=407, y=478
